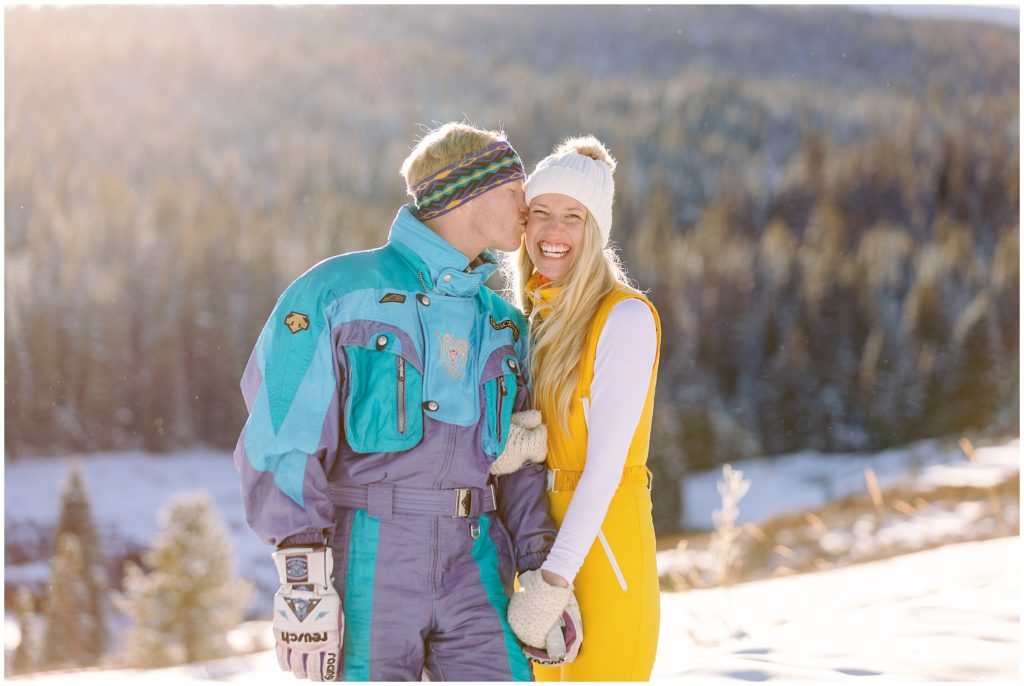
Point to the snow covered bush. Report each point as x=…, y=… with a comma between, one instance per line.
x=26, y=655
x=182, y=609
x=723, y=546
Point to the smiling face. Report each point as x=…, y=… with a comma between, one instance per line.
x=554, y=234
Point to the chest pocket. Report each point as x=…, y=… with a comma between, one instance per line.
x=383, y=411
x=499, y=399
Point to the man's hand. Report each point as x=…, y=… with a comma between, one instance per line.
x=527, y=442
x=308, y=619
x=547, y=619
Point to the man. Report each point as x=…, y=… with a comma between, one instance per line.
x=382, y=447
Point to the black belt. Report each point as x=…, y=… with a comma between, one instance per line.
x=380, y=499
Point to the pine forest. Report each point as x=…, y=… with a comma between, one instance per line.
x=822, y=203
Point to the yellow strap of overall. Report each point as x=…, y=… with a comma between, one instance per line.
x=567, y=451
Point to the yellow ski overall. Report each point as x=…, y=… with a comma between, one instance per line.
x=617, y=586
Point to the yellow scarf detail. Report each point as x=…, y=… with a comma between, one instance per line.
x=542, y=294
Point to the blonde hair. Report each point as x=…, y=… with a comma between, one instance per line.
x=557, y=338
x=445, y=145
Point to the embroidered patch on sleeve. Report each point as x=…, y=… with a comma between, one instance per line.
x=507, y=324
x=296, y=322
x=393, y=298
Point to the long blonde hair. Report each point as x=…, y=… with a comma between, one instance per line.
x=558, y=338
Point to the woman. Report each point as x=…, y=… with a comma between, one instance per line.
x=595, y=343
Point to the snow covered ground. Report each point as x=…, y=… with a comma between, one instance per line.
x=808, y=480
x=964, y=500
x=127, y=490
x=948, y=614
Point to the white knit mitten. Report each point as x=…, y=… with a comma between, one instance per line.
x=563, y=641
x=535, y=608
x=527, y=442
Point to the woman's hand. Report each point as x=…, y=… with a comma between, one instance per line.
x=546, y=618
x=553, y=579
x=527, y=442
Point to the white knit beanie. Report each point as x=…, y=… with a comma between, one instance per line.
x=580, y=177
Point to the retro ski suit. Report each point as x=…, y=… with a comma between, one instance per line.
x=377, y=373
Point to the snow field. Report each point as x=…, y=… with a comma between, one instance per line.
x=948, y=614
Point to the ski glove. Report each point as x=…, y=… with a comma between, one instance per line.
x=547, y=619
x=308, y=619
x=527, y=442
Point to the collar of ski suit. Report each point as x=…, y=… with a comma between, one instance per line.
x=443, y=268
x=542, y=294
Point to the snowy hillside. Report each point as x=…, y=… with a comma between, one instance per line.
x=807, y=480
x=127, y=490
x=949, y=614
x=810, y=511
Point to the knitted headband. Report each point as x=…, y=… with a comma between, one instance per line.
x=473, y=175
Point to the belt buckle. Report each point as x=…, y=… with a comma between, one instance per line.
x=463, y=502
x=551, y=479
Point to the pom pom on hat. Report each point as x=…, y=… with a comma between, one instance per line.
x=581, y=168
x=589, y=146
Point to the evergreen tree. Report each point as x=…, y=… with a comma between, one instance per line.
x=977, y=373
x=891, y=390
x=668, y=463
x=26, y=655
x=925, y=330
x=76, y=518
x=67, y=619
x=182, y=609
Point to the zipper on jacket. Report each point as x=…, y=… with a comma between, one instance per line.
x=502, y=392
x=400, y=361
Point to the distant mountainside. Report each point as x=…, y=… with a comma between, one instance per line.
x=822, y=203
x=836, y=46
x=829, y=45
x=1004, y=15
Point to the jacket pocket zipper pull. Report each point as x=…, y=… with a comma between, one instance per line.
x=400, y=361
x=502, y=392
